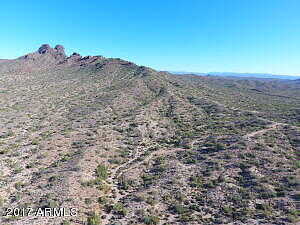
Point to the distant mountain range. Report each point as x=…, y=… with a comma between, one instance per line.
x=243, y=75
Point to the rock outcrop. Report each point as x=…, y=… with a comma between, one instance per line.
x=45, y=48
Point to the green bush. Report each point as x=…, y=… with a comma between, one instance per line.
x=94, y=219
x=196, y=182
x=148, y=179
x=119, y=209
x=227, y=210
x=102, y=172
x=292, y=219
x=102, y=200
x=151, y=220
x=179, y=209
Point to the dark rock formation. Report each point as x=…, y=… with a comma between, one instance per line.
x=74, y=57
x=75, y=54
x=44, y=49
x=60, y=49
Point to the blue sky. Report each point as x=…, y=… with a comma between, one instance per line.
x=260, y=36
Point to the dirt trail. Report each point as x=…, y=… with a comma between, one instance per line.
x=120, y=170
x=260, y=132
x=117, y=172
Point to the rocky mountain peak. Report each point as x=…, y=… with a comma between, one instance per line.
x=58, y=49
x=44, y=49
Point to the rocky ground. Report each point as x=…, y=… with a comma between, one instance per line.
x=125, y=144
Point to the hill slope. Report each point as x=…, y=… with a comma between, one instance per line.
x=125, y=144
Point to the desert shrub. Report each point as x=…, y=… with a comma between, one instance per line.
x=186, y=218
x=293, y=216
x=262, y=207
x=124, y=183
x=18, y=170
x=292, y=219
x=4, y=151
x=291, y=181
x=210, y=184
x=139, y=198
x=148, y=180
x=34, y=142
x=179, y=209
x=196, y=182
x=8, y=134
x=124, y=153
x=102, y=172
x=88, y=201
x=179, y=196
x=250, y=155
x=104, y=187
x=102, y=200
x=151, y=200
x=48, y=202
x=151, y=220
x=159, y=169
x=195, y=207
x=189, y=157
x=19, y=185
x=94, y=219
x=115, y=161
x=214, y=147
x=267, y=194
x=119, y=209
x=297, y=164
x=227, y=210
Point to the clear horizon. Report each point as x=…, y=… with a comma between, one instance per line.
x=250, y=36
x=259, y=73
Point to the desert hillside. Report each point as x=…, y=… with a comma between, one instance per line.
x=125, y=144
